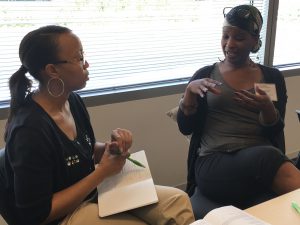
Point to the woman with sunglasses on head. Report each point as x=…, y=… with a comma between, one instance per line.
x=51, y=149
x=237, y=148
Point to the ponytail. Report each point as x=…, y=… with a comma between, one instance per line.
x=19, y=86
x=37, y=49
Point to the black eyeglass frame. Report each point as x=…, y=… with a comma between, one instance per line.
x=81, y=59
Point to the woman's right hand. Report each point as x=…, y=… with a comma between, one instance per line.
x=195, y=88
x=201, y=86
x=111, y=164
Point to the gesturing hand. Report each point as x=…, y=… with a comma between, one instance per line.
x=259, y=102
x=112, y=164
x=201, y=86
x=123, y=138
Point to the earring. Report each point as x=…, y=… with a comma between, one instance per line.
x=256, y=47
x=60, y=83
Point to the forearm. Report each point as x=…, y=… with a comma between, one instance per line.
x=269, y=115
x=67, y=200
x=187, y=109
x=188, y=103
x=186, y=123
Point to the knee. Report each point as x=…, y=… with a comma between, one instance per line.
x=286, y=179
x=174, y=205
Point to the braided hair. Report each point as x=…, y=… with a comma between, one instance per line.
x=37, y=49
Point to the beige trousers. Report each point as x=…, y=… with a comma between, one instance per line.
x=173, y=208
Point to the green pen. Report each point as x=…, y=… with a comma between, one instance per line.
x=117, y=151
x=296, y=207
x=135, y=162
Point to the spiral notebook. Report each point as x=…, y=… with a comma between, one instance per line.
x=133, y=187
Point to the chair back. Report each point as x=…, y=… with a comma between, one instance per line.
x=2, y=180
x=4, y=212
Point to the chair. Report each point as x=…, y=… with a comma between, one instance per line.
x=297, y=162
x=2, y=180
x=200, y=210
x=4, y=212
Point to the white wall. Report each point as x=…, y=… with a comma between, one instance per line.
x=154, y=132
x=292, y=127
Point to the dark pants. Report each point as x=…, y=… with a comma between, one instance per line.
x=238, y=177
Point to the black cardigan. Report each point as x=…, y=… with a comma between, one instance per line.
x=194, y=124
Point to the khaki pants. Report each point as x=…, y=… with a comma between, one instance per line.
x=173, y=208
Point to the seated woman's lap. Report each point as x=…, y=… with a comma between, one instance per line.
x=173, y=208
x=87, y=213
x=240, y=175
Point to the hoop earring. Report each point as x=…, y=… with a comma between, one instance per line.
x=221, y=60
x=62, y=86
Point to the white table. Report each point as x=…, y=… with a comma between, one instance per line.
x=278, y=211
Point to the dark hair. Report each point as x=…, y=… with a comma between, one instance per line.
x=37, y=49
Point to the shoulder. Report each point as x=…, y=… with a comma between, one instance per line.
x=30, y=127
x=30, y=115
x=271, y=74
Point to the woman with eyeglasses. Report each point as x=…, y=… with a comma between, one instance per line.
x=235, y=111
x=51, y=148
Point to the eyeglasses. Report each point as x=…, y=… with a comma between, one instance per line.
x=226, y=10
x=81, y=59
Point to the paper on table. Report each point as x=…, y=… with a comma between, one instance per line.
x=133, y=187
x=229, y=215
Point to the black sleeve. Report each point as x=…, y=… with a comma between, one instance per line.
x=276, y=132
x=31, y=162
x=190, y=124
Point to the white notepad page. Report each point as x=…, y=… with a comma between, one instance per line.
x=133, y=187
x=229, y=215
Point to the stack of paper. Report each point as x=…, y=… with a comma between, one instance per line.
x=229, y=215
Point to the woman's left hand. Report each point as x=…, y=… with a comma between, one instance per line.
x=123, y=137
x=259, y=102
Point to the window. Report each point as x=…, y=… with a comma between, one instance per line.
x=128, y=43
x=287, y=46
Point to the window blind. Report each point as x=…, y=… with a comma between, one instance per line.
x=129, y=43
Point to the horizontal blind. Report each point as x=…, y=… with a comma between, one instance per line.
x=127, y=43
